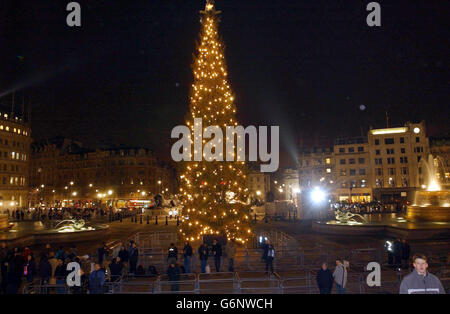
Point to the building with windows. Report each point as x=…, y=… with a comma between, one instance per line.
x=395, y=155
x=385, y=165
x=316, y=167
x=64, y=173
x=259, y=184
x=353, y=174
x=15, y=141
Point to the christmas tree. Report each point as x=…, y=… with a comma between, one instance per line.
x=214, y=193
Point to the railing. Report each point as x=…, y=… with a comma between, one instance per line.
x=242, y=282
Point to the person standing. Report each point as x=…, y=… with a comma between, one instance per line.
x=203, y=256
x=397, y=253
x=324, y=279
x=420, y=281
x=187, y=254
x=230, y=251
x=217, y=251
x=29, y=269
x=97, y=280
x=53, y=263
x=172, y=255
x=44, y=269
x=133, y=254
x=116, y=268
x=340, y=277
x=4, y=257
x=124, y=257
x=269, y=256
x=173, y=272
x=60, y=276
x=406, y=250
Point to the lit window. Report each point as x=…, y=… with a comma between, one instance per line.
x=328, y=161
x=1, y=127
x=7, y=128
x=328, y=170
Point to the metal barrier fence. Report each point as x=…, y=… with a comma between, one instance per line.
x=246, y=282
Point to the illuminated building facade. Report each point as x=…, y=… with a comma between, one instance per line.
x=15, y=141
x=352, y=169
x=316, y=167
x=384, y=165
x=62, y=172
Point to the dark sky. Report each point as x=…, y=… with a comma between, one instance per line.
x=307, y=66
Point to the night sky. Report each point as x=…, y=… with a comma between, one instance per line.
x=307, y=66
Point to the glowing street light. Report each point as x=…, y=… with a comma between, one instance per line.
x=110, y=192
x=318, y=195
x=71, y=182
x=258, y=193
x=74, y=193
x=90, y=185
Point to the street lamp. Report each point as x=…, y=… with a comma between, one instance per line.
x=71, y=182
x=110, y=192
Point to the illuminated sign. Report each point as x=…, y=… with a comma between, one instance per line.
x=389, y=131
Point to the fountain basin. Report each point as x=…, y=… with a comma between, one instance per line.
x=430, y=206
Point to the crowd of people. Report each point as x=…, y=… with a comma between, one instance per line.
x=369, y=207
x=53, y=213
x=19, y=266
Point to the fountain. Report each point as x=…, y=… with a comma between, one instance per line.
x=432, y=203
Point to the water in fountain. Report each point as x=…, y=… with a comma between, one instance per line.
x=431, y=172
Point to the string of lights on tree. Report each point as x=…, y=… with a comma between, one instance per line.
x=214, y=193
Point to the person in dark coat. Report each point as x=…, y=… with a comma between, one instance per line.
x=324, y=279
x=101, y=253
x=15, y=272
x=60, y=276
x=116, y=268
x=203, y=256
x=269, y=254
x=187, y=254
x=133, y=254
x=173, y=272
x=29, y=268
x=97, y=280
x=406, y=251
x=217, y=251
x=44, y=269
x=5, y=255
x=397, y=253
x=124, y=257
x=172, y=255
